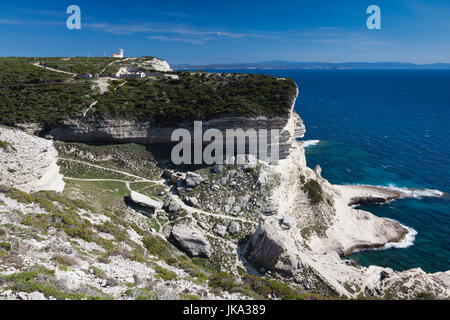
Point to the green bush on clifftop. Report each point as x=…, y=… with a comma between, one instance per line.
x=29, y=94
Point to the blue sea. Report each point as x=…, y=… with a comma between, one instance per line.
x=384, y=128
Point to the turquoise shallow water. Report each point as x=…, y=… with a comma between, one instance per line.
x=388, y=128
x=429, y=216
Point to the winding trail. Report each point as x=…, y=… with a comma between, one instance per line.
x=184, y=206
x=37, y=64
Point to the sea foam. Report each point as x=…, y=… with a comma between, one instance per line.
x=309, y=143
x=416, y=192
x=408, y=241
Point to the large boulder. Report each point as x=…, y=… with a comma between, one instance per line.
x=234, y=228
x=191, y=201
x=191, y=241
x=287, y=222
x=193, y=180
x=270, y=249
x=265, y=248
x=217, y=169
x=145, y=201
x=220, y=230
x=173, y=177
x=171, y=205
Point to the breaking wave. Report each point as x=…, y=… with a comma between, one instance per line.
x=309, y=143
x=408, y=241
x=416, y=192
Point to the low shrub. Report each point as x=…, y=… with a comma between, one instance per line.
x=314, y=191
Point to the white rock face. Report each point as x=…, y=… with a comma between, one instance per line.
x=191, y=241
x=144, y=200
x=29, y=163
x=160, y=65
x=36, y=296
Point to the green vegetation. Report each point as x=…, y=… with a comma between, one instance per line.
x=158, y=247
x=314, y=191
x=99, y=273
x=133, y=158
x=152, y=190
x=197, y=97
x=3, y=145
x=188, y=296
x=425, y=296
x=64, y=260
x=79, y=170
x=78, y=65
x=99, y=194
x=32, y=94
x=5, y=246
x=41, y=279
x=165, y=274
x=260, y=288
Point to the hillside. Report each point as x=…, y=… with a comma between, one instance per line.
x=33, y=91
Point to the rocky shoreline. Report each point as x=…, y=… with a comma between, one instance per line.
x=361, y=194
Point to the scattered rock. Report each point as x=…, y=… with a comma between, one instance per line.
x=250, y=162
x=192, y=201
x=287, y=222
x=193, y=180
x=171, y=205
x=167, y=231
x=191, y=241
x=231, y=173
x=269, y=208
x=217, y=169
x=22, y=296
x=236, y=209
x=36, y=296
x=241, y=201
x=318, y=170
x=174, y=178
x=234, y=228
x=220, y=230
x=262, y=180
x=231, y=200
x=111, y=282
x=203, y=225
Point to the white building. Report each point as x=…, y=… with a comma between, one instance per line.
x=118, y=55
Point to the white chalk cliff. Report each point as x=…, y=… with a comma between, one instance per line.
x=29, y=163
x=310, y=249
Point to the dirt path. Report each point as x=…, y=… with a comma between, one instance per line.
x=37, y=64
x=188, y=209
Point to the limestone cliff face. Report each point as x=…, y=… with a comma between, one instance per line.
x=309, y=248
x=28, y=163
x=119, y=130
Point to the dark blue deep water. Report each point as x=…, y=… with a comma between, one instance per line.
x=387, y=128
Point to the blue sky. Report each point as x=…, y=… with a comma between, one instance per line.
x=229, y=31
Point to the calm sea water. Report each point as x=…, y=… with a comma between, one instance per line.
x=388, y=128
